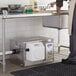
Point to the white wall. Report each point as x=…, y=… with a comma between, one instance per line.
x=26, y=26
x=14, y=1
x=24, y=1
x=31, y=27
x=64, y=37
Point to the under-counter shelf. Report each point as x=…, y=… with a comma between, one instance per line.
x=10, y=16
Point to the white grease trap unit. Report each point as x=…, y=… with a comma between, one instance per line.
x=32, y=50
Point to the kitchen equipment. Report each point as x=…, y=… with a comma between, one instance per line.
x=15, y=9
x=49, y=50
x=33, y=50
x=28, y=9
x=14, y=6
x=36, y=51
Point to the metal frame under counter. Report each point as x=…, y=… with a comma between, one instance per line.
x=11, y=16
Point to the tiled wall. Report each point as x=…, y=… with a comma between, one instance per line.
x=26, y=27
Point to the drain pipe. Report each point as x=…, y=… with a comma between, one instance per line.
x=14, y=51
x=6, y=53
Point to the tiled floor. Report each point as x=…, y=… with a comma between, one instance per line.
x=12, y=67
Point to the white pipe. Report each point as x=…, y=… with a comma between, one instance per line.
x=6, y=53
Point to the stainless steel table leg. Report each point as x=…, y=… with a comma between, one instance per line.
x=58, y=40
x=3, y=43
x=59, y=33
